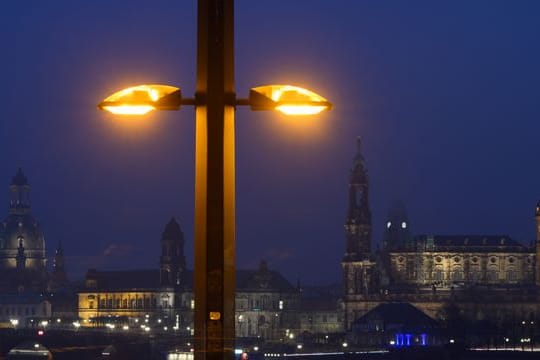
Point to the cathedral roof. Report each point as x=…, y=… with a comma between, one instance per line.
x=468, y=242
x=19, y=179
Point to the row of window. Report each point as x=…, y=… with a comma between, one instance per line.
x=27, y=311
x=490, y=275
x=263, y=303
x=140, y=303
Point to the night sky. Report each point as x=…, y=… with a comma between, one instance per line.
x=445, y=96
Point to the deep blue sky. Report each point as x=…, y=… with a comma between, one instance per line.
x=445, y=96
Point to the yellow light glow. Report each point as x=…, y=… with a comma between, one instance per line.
x=289, y=99
x=284, y=93
x=129, y=109
x=140, y=99
x=300, y=109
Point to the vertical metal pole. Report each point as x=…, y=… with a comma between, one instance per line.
x=214, y=286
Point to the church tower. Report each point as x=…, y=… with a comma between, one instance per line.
x=359, y=269
x=22, y=245
x=537, y=216
x=358, y=222
x=172, y=260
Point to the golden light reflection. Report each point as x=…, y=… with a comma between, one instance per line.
x=141, y=99
x=289, y=99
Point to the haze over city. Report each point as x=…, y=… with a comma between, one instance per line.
x=443, y=95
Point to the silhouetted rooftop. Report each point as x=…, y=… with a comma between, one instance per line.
x=399, y=316
x=246, y=280
x=461, y=243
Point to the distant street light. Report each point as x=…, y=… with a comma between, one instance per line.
x=215, y=103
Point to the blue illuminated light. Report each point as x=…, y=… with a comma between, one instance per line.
x=423, y=339
x=408, y=337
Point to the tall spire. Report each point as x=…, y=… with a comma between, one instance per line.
x=358, y=222
x=358, y=158
x=360, y=277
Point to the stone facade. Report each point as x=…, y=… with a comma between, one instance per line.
x=486, y=277
x=445, y=261
x=22, y=245
x=266, y=303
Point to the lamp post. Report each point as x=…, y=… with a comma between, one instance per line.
x=215, y=102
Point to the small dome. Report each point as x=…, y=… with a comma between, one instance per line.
x=172, y=232
x=19, y=179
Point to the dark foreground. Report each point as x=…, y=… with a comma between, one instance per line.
x=96, y=345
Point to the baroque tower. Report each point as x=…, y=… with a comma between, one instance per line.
x=359, y=270
x=358, y=222
x=22, y=246
x=172, y=261
x=537, y=270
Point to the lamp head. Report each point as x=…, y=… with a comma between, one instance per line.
x=141, y=99
x=290, y=100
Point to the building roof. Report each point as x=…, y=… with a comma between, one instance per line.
x=125, y=279
x=21, y=299
x=261, y=280
x=466, y=243
x=398, y=316
x=319, y=305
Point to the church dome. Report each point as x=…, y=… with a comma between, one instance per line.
x=21, y=239
x=21, y=228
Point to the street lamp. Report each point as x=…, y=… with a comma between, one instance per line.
x=142, y=99
x=215, y=103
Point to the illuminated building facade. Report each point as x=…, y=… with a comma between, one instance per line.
x=20, y=311
x=22, y=245
x=486, y=277
x=266, y=303
x=164, y=292
x=462, y=260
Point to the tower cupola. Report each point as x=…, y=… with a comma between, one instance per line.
x=19, y=194
x=172, y=260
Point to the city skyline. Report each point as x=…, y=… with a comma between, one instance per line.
x=443, y=96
